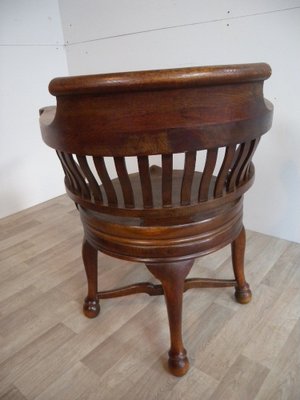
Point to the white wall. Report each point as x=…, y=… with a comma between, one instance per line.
x=106, y=36
x=31, y=53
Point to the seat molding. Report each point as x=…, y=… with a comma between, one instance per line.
x=164, y=243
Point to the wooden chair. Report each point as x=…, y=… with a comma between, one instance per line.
x=162, y=216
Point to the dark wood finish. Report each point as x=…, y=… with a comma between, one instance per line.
x=95, y=189
x=127, y=191
x=159, y=215
x=210, y=163
x=172, y=277
x=91, y=305
x=167, y=171
x=223, y=173
x=187, y=179
x=106, y=181
x=145, y=179
x=242, y=291
x=155, y=290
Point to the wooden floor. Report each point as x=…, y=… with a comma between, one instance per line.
x=49, y=350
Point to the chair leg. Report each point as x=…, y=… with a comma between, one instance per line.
x=91, y=307
x=242, y=291
x=172, y=277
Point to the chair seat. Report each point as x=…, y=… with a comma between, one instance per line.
x=153, y=240
x=156, y=183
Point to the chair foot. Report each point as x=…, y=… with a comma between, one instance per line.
x=243, y=294
x=178, y=363
x=172, y=277
x=91, y=307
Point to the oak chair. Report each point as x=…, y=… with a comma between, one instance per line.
x=160, y=215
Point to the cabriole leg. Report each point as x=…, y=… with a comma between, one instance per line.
x=91, y=305
x=172, y=277
x=242, y=291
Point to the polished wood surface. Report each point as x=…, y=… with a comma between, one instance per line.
x=49, y=350
x=160, y=215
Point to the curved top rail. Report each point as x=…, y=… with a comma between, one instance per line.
x=159, y=79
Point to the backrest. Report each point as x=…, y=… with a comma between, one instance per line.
x=215, y=114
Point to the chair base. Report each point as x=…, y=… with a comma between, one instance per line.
x=173, y=278
x=156, y=290
x=178, y=363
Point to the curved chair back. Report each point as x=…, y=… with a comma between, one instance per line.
x=213, y=114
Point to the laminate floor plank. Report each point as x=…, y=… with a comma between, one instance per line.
x=14, y=367
x=194, y=385
x=24, y=327
x=58, y=362
x=12, y=394
x=242, y=380
x=286, y=271
x=74, y=383
x=283, y=381
x=15, y=252
x=223, y=350
x=14, y=303
x=274, y=329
